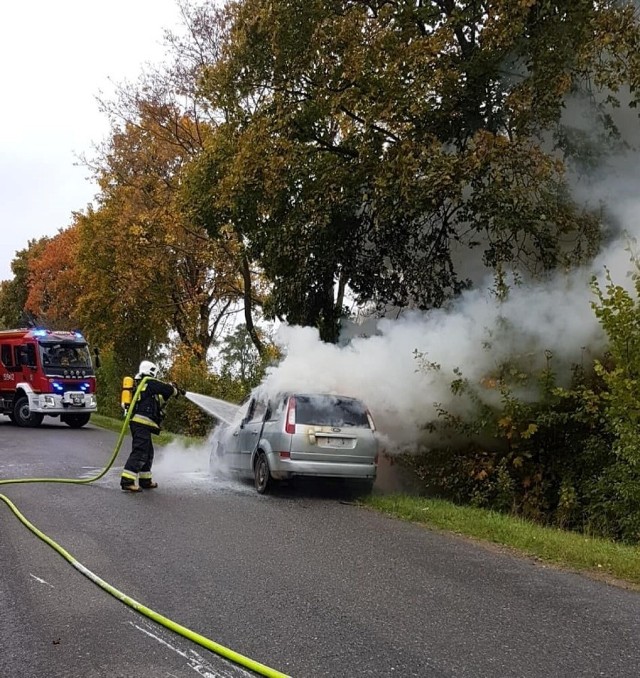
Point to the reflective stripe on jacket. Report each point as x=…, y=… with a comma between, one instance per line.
x=148, y=409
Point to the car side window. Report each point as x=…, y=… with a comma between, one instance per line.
x=278, y=407
x=259, y=409
x=272, y=410
x=248, y=411
x=31, y=355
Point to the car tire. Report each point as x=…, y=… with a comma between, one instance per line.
x=23, y=416
x=76, y=420
x=262, y=480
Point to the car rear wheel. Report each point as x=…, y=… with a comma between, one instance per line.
x=262, y=475
x=23, y=416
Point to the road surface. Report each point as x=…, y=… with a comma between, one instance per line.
x=304, y=582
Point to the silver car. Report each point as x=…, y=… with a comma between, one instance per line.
x=302, y=434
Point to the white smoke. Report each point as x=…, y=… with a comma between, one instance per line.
x=383, y=370
x=555, y=315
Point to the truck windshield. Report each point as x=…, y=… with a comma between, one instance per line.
x=65, y=355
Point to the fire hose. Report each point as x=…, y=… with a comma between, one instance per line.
x=197, y=638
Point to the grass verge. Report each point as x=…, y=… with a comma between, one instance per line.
x=599, y=557
x=164, y=438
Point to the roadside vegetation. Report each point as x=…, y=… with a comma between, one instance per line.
x=596, y=556
x=565, y=456
x=308, y=162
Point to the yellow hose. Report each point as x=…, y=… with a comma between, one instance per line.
x=211, y=645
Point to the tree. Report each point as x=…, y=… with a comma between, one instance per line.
x=120, y=307
x=188, y=281
x=377, y=144
x=14, y=292
x=240, y=359
x=55, y=283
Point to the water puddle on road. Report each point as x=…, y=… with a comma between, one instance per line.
x=194, y=467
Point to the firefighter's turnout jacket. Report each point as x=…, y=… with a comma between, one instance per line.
x=149, y=408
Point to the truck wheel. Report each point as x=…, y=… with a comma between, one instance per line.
x=76, y=420
x=262, y=475
x=23, y=416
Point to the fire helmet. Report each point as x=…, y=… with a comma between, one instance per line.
x=147, y=369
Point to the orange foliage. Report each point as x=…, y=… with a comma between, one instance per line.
x=54, y=281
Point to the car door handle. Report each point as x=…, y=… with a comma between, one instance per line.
x=235, y=435
x=254, y=433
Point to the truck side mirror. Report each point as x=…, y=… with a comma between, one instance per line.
x=96, y=360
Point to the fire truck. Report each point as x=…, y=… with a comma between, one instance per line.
x=46, y=372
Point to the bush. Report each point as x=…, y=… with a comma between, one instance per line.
x=534, y=457
x=564, y=456
x=109, y=384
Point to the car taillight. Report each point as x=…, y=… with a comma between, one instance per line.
x=290, y=421
x=372, y=425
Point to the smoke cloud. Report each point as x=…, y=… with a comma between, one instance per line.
x=477, y=333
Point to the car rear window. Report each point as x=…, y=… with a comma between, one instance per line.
x=327, y=410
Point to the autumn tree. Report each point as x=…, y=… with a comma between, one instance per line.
x=14, y=292
x=158, y=127
x=55, y=283
x=183, y=278
x=119, y=305
x=378, y=144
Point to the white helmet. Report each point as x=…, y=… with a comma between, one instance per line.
x=147, y=369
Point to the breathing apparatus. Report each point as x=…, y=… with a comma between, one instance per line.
x=128, y=387
x=145, y=369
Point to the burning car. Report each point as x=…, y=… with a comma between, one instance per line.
x=301, y=434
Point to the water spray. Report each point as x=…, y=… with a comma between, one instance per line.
x=220, y=410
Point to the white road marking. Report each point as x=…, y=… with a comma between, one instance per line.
x=42, y=581
x=194, y=660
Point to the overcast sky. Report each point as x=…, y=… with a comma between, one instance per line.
x=56, y=58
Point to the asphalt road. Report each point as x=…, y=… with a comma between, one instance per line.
x=304, y=582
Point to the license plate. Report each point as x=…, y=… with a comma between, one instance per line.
x=76, y=399
x=335, y=442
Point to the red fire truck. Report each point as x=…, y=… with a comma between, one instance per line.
x=46, y=372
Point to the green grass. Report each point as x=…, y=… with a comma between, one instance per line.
x=164, y=438
x=566, y=549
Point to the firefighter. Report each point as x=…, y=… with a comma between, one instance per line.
x=145, y=421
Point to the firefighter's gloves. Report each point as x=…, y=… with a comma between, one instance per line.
x=181, y=391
